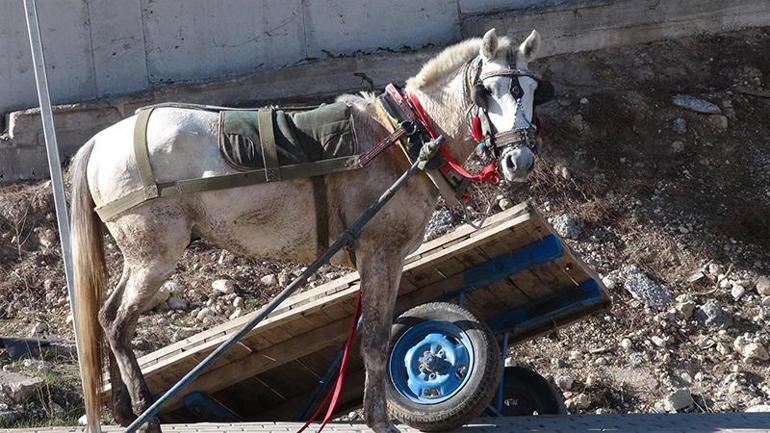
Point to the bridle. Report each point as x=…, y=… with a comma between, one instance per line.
x=492, y=144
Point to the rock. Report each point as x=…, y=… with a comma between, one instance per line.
x=737, y=291
x=580, y=401
x=695, y=104
x=659, y=341
x=714, y=269
x=583, y=101
x=82, y=420
x=578, y=123
x=37, y=365
x=236, y=314
x=177, y=303
x=679, y=126
x=575, y=355
x=636, y=359
x=568, y=225
x=224, y=286
x=204, y=313
x=268, y=280
x=284, y=278
x=38, y=329
x=719, y=122
x=504, y=204
x=712, y=315
x=763, y=286
x=766, y=302
x=677, y=147
x=564, y=381
x=645, y=289
x=685, y=309
x=754, y=352
x=760, y=408
x=18, y=387
x=238, y=302
x=626, y=344
x=609, y=283
x=678, y=400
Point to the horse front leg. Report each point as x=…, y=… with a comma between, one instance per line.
x=380, y=274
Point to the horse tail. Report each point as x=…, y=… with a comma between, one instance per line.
x=90, y=278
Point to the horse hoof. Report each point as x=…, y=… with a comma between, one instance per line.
x=384, y=427
x=152, y=426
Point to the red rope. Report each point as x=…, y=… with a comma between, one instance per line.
x=488, y=173
x=333, y=397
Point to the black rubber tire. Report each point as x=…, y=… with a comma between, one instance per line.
x=471, y=400
x=526, y=392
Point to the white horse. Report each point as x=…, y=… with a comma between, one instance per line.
x=275, y=220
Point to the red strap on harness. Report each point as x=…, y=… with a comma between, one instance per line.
x=332, y=398
x=488, y=173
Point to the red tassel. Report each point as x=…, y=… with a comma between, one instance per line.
x=478, y=135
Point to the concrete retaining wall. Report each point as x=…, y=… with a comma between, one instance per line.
x=567, y=26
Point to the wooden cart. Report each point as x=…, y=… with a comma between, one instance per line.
x=513, y=274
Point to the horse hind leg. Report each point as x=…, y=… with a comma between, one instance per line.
x=150, y=256
x=121, y=400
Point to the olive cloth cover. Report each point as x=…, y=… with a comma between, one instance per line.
x=307, y=136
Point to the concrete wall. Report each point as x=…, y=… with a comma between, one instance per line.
x=566, y=25
x=97, y=48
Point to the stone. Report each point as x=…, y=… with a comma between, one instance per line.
x=679, y=125
x=766, y=302
x=645, y=289
x=83, y=420
x=719, y=122
x=38, y=329
x=177, y=303
x=564, y=381
x=583, y=101
x=223, y=286
x=677, y=147
x=714, y=269
x=236, y=314
x=685, y=309
x=163, y=294
x=659, y=341
x=713, y=316
x=568, y=225
x=580, y=401
x=575, y=355
x=763, y=286
x=626, y=344
x=754, y=352
x=695, y=104
x=737, y=291
x=759, y=408
x=269, y=280
x=678, y=400
x=609, y=282
x=238, y=302
x=505, y=204
x=204, y=313
x=19, y=387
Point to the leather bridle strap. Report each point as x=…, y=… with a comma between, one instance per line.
x=509, y=72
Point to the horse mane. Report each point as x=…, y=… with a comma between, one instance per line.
x=449, y=60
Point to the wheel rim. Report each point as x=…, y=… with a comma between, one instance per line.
x=431, y=362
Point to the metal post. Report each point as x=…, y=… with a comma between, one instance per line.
x=52, y=150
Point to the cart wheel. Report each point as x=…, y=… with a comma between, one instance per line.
x=527, y=393
x=444, y=367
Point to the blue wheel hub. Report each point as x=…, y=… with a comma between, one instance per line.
x=431, y=362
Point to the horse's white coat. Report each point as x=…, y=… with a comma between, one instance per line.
x=277, y=220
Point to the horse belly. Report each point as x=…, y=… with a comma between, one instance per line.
x=272, y=221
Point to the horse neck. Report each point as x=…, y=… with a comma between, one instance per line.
x=445, y=104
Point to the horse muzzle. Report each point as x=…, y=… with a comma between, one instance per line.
x=516, y=162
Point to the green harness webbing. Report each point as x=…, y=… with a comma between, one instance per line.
x=272, y=171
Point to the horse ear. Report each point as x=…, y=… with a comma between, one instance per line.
x=529, y=47
x=489, y=45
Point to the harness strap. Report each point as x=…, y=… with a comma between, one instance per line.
x=321, y=213
x=267, y=141
x=333, y=397
x=225, y=181
x=142, y=156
